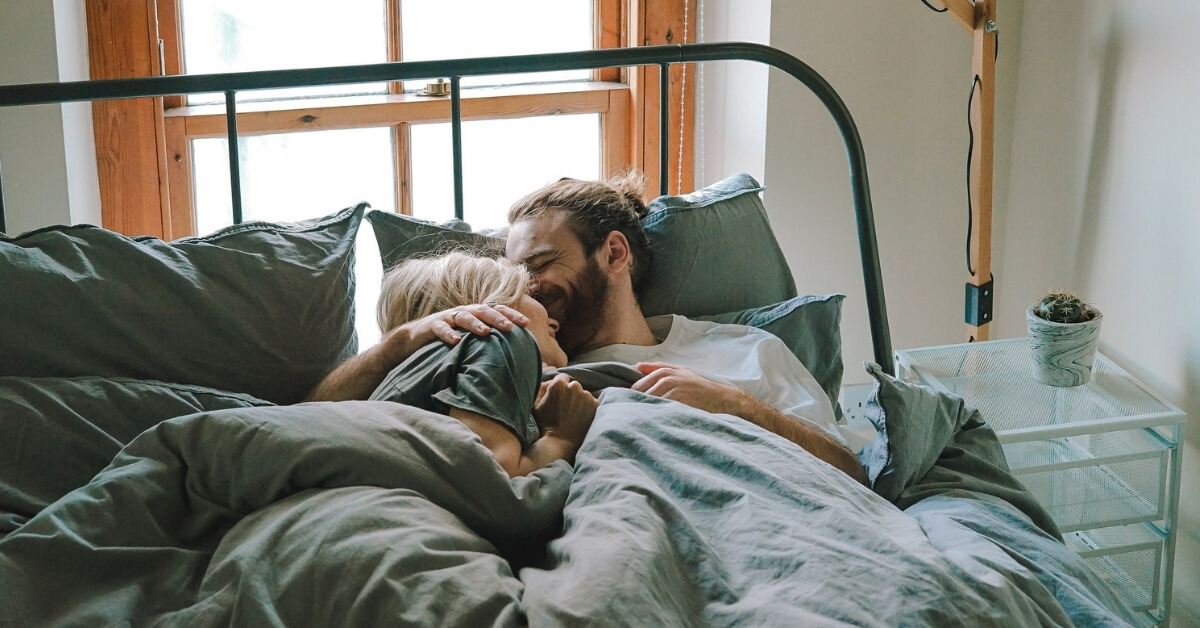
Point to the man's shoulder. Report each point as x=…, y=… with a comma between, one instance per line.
x=714, y=328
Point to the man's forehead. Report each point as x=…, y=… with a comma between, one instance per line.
x=545, y=234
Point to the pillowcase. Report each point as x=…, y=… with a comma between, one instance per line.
x=402, y=237
x=713, y=249
x=914, y=424
x=266, y=309
x=811, y=327
x=60, y=432
x=714, y=252
x=931, y=443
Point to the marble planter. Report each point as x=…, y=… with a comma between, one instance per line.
x=1062, y=353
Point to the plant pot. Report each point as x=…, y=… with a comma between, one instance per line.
x=1062, y=353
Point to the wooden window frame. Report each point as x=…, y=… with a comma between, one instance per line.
x=143, y=146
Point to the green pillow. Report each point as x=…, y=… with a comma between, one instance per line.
x=261, y=308
x=402, y=237
x=713, y=249
x=60, y=432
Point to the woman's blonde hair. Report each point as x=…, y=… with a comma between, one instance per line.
x=419, y=287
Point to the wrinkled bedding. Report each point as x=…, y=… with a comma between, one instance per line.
x=366, y=513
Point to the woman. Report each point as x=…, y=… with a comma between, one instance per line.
x=489, y=382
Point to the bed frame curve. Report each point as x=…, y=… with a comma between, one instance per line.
x=663, y=56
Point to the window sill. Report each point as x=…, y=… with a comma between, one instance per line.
x=510, y=101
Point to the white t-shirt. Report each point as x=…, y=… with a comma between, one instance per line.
x=749, y=358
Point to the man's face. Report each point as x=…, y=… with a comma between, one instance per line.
x=571, y=285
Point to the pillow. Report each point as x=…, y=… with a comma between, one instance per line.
x=265, y=309
x=811, y=327
x=914, y=424
x=401, y=237
x=931, y=443
x=713, y=249
x=714, y=252
x=60, y=432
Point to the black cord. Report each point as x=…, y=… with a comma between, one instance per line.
x=970, y=154
x=941, y=10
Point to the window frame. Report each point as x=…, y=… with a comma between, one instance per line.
x=143, y=146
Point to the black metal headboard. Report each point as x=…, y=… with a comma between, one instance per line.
x=662, y=56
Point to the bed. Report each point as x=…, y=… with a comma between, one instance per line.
x=157, y=467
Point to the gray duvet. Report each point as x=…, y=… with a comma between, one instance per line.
x=374, y=513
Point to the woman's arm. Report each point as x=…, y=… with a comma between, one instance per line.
x=357, y=377
x=507, y=448
x=564, y=412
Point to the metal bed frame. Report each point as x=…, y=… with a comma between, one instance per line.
x=663, y=56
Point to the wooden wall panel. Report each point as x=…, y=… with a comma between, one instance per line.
x=130, y=160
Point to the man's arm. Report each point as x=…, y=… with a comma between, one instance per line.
x=357, y=377
x=686, y=386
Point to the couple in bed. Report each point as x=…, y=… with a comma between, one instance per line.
x=577, y=256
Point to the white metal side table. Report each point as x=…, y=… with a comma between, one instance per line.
x=1103, y=457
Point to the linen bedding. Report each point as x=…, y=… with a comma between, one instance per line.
x=361, y=513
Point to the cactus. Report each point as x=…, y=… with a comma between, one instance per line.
x=1064, y=307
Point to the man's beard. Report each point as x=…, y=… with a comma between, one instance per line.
x=583, y=314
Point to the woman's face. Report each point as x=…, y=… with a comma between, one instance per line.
x=543, y=329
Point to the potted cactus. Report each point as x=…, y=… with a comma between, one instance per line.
x=1063, y=333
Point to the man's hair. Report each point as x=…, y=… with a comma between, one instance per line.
x=419, y=287
x=594, y=210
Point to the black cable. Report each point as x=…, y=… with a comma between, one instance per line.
x=931, y=8
x=970, y=154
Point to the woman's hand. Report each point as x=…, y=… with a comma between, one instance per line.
x=564, y=409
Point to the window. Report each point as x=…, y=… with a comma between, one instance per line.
x=307, y=152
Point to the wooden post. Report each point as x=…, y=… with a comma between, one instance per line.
x=980, y=19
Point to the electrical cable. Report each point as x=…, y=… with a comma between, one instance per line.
x=970, y=153
x=934, y=9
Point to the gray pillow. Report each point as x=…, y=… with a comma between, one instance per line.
x=261, y=308
x=714, y=252
x=60, y=432
x=713, y=249
x=811, y=327
x=930, y=443
x=402, y=237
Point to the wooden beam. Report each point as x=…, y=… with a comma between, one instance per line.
x=130, y=159
x=983, y=113
x=662, y=22
x=963, y=11
x=379, y=110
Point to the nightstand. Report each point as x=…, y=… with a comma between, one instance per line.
x=1103, y=457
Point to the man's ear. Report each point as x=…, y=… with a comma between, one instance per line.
x=616, y=256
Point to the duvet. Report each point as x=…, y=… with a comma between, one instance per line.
x=374, y=513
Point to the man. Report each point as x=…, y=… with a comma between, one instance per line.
x=585, y=246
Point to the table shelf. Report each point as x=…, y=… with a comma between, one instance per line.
x=1102, y=457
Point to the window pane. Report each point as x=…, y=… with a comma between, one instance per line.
x=455, y=29
x=233, y=36
x=503, y=160
x=294, y=176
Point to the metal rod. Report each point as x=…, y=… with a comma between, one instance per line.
x=586, y=59
x=3, y=225
x=235, y=166
x=456, y=145
x=664, y=87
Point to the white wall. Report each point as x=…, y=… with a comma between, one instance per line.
x=731, y=118
x=1104, y=199
x=47, y=154
x=79, y=142
x=904, y=72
